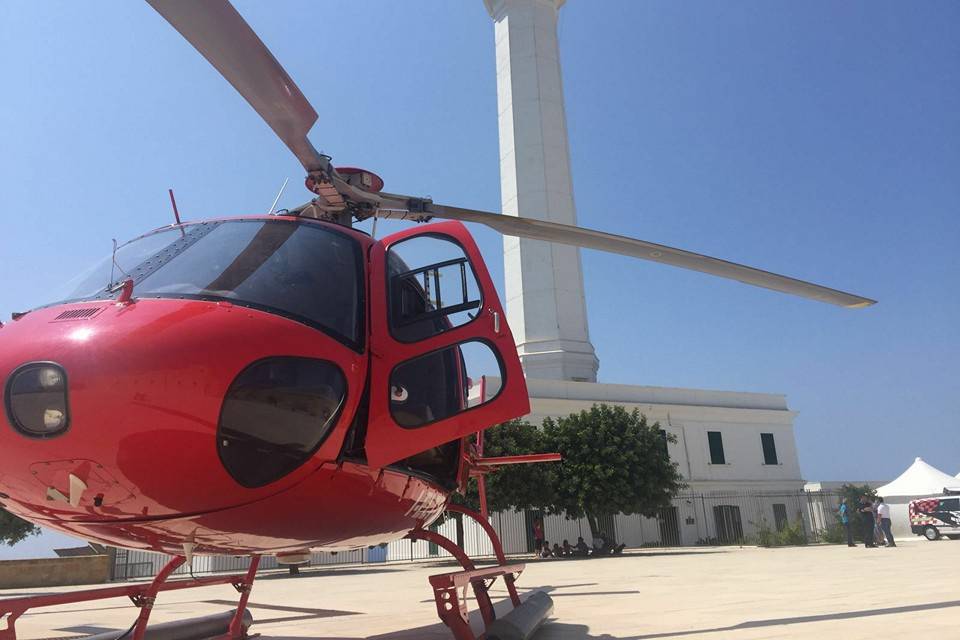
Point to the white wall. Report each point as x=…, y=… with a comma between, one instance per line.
x=742, y=450
x=689, y=414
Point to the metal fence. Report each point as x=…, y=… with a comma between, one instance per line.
x=712, y=518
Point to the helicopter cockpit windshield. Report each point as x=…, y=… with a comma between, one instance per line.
x=309, y=273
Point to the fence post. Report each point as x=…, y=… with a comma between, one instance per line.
x=803, y=521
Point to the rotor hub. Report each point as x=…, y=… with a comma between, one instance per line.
x=361, y=179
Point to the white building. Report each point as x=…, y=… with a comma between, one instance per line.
x=736, y=451
x=720, y=434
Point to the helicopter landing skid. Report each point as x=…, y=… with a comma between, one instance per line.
x=450, y=589
x=143, y=596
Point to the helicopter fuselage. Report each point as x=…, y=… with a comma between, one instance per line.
x=272, y=384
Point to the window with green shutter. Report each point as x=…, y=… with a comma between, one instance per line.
x=716, y=447
x=769, y=448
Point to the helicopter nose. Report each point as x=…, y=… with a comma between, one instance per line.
x=128, y=400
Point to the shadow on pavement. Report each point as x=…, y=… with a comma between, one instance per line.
x=435, y=631
x=565, y=631
x=581, y=632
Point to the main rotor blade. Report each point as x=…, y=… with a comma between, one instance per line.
x=225, y=39
x=590, y=239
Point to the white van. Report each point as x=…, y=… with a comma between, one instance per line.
x=936, y=516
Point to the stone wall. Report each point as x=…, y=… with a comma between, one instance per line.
x=51, y=572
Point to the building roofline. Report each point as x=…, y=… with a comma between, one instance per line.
x=637, y=394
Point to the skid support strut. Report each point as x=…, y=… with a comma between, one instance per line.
x=237, y=631
x=142, y=595
x=450, y=589
x=145, y=600
x=508, y=578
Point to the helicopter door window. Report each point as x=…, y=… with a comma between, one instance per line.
x=432, y=286
x=442, y=383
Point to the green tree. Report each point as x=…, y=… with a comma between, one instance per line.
x=614, y=461
x=14, y=529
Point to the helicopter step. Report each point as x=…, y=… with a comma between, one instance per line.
x=232, y=624
x=520, y=623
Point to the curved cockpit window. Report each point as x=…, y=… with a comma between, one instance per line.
x=300, y=270
x=276, y=413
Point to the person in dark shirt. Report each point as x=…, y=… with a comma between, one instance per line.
x=582, y=548
x=865, y=508
x=557, y=551
x=567, y=549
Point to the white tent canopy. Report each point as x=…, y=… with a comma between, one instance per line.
x=919, y=479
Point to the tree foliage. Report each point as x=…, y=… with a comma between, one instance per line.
x=614, y=461
x=14, y=529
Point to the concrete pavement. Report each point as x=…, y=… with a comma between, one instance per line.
x=690, y=594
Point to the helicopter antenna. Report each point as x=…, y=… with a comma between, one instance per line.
x=113, y=261
x=173, y=201
x=113, y=264
x=277, y=199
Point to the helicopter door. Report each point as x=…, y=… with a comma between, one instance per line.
x=438, y=336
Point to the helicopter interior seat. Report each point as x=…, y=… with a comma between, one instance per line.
x=413, y=415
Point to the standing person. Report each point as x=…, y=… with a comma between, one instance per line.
x=844, y=513
x=883, y=512
x=537, y=535
x=878, y=536
x=866, y=521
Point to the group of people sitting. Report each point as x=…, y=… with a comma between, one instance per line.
x=602, y=546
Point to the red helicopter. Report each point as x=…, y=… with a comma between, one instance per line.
x=278, y=383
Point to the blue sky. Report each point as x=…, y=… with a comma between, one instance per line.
x=819, y=139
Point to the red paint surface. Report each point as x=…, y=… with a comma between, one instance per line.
x=146, y=381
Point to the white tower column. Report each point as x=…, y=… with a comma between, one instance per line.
x=545, y=301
